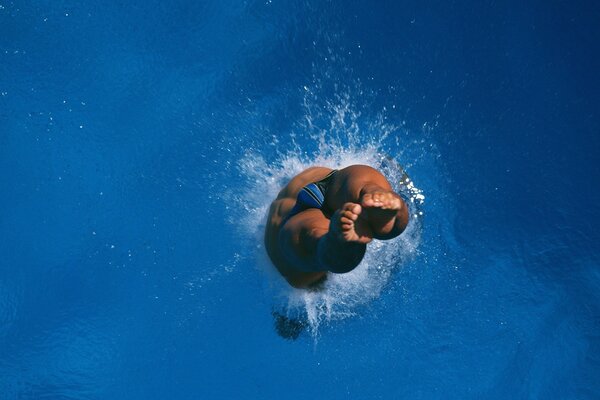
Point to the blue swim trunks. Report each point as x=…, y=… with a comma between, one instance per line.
x=311, y=196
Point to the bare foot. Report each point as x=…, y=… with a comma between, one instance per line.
x=383, y=200
x=381, y=209
x=347, y=225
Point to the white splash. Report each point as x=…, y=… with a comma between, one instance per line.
x=341, y=144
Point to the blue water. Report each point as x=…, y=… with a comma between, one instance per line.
x=141, y=142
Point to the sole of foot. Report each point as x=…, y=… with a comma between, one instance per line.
x=349, y=225
x=380, y=209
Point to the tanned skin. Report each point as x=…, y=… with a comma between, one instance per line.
x=360, y=205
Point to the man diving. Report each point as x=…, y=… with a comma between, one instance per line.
x=323, y=219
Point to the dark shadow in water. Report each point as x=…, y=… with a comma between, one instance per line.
x=290, y=328
x=286, y=327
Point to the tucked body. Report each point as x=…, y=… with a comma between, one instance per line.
x=323, y=219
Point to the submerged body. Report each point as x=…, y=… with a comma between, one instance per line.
x=323, y=219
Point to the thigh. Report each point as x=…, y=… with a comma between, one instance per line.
x=348, y=183
x=299, y=236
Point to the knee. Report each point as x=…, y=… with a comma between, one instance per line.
x=400, y=223
x=341, y=262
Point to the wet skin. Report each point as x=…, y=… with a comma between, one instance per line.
x=359, y=205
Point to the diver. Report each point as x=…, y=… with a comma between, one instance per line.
x=323, y=219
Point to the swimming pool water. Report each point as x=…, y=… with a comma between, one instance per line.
x=141, y=142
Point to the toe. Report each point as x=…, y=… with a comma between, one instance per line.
x=346, y=220
x=352, y=208
x=350, y=215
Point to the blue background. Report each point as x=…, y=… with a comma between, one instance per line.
x=122, y=274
